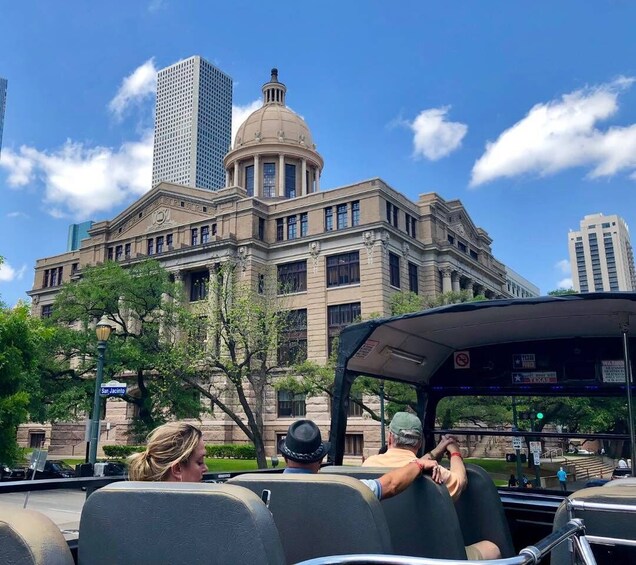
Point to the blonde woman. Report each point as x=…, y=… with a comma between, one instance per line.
x=175, y=452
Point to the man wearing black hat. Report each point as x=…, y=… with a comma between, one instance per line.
x=303, y=450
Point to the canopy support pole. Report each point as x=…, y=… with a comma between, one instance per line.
x=628, y=384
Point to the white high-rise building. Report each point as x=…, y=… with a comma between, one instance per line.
x=3, y=102
x=601, y=255
x=193, y=124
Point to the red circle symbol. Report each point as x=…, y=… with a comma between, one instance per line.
x=462, y=359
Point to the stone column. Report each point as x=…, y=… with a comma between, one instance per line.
x=455, y=281
x=281, y=175
x=227, y=177
x=469, y=288
x=303, y=177
x=257, y=176
x=317, y=174
x=446, y=280
x=236, y=174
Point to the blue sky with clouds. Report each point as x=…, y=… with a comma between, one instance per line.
x=524, y=111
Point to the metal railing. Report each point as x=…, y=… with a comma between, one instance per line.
x=574, y=530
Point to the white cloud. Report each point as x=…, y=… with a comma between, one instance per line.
x=241, y=113
x=80, y=181
x=135, y=88
x=9, y=273
x=17, y=215
x=433, y=136
x=564, y=266
x=561, y=134
x=565, y=283
x=157, y=5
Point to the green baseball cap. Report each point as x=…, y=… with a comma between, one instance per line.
x=406, y=425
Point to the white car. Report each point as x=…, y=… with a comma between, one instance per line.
x=584, y=452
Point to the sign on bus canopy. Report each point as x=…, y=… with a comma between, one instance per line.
x=113, y=388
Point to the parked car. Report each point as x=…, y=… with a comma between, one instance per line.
x=622, y=473
x=581, y=451
x=114, y=468
x=596, y=482
x=11, y=473
x=54, y=469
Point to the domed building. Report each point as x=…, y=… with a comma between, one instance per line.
x=345, y=252
x=274, y=155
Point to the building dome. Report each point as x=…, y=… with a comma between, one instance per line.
x=274, y=122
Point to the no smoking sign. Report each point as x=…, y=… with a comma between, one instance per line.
x=462, y=359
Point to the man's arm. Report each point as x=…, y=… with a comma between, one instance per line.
x=458, y=479
x=395, y=481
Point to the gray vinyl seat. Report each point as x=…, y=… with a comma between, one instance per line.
x=421, y=519
x=320, y=515
x=481, y=514
x=177, y=523
x=599, y=523
x=28, y=537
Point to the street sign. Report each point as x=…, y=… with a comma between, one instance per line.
x=38, y=459
x=535, y=446
x=517, y=442
x=537, y=457
x=112, y=388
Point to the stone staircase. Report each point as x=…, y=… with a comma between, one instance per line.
x=589, y=466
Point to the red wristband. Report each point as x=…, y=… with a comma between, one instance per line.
x=456, y=454
x=419, y=464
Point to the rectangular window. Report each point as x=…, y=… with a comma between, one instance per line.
x=261, y=284
x=46, y=311
x=451, y=240
x=392, y=214
x=151, y=246
x=343, y=269
x=338, y=317
x=304, y=224
x=394, y=270
x=110, y=253
x=280, y=229
x=127, y=251
x=36, y=439
x=413, y=279
x=395, y=217
x=290, y=404
x=269, y=180
x=290, y=181
x=328, y=219
x=355, y=213
x=60, y=270
x=474, y=255
x=410, y=224
x=292, y=277
x=119, y=251
x=341, y=215
x=354, y=409
x=249, y=180
x=261, y=229
x=205, y=234
x=199, y=281
x=46, y=279
x=194, y=239
x=291, y=228
x=75, y=266
x=354, y=444
x=169, y=241
x=53, y=277
x=159, y=244
x=462, y=246
x=292, y=348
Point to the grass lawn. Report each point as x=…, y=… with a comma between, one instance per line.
x=214, y=465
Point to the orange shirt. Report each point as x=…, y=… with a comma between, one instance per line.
x=398, y=457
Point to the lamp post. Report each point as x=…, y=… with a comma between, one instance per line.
x=382, y=424
x=102, y=330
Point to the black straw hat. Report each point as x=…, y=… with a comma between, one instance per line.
x=303, y=443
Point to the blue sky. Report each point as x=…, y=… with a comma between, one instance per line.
x=524, y=111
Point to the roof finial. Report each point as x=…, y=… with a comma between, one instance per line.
x=274, y=74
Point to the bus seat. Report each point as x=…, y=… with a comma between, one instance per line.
x=28, y=537
x=421, y=519
x=320, y=515
x=165, y=522
x=601, y=523
x=481, y=513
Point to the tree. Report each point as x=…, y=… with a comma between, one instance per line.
x=562, y=292
x=145, y=309
x=234, y=364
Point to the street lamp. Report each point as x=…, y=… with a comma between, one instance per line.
x=102, y=330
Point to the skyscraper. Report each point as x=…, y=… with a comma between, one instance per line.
x=193, y=124
x=601, y=255
x=76, y=233
x=3, y=104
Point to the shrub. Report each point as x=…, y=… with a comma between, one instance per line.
x=122, y=451
x=231, y=451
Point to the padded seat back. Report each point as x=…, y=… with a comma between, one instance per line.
x=481, y=514
x=174, y=523
x=321, y=515
x=601, y=523
x=28, y=537
x=421, y=519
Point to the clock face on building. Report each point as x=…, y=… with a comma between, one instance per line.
x=161, y=216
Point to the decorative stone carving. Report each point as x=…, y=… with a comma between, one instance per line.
x=241, y=258
x=301, y=138
x=406, y=249
x=368, y=239
x=385, y=237
x=178, y=276
x=35, y=300
x=257, y=136
x=281, y=135
x=314, y=252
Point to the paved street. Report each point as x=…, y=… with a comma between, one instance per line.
x=62, y=506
